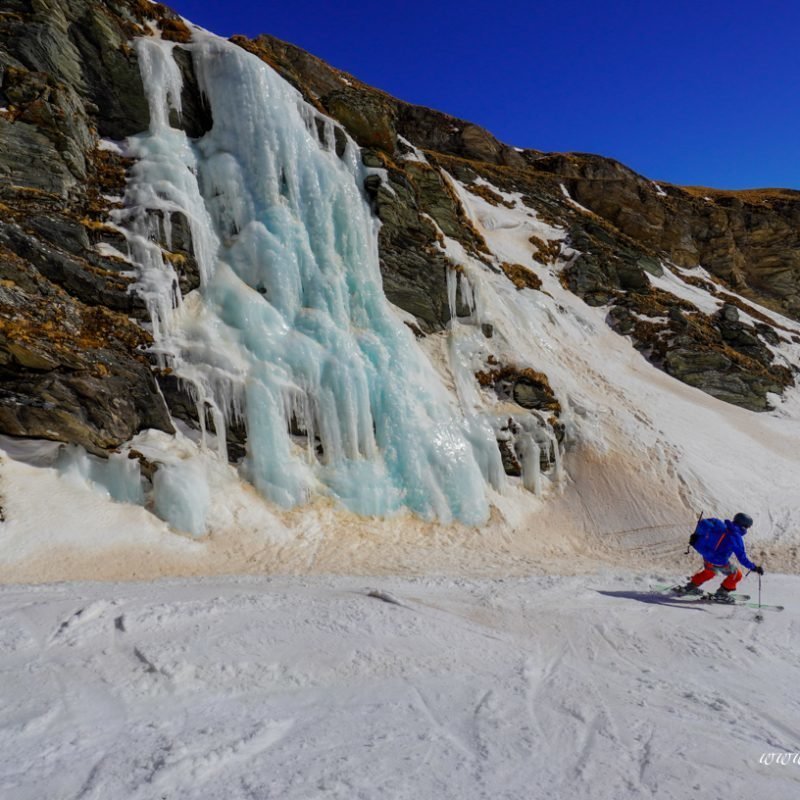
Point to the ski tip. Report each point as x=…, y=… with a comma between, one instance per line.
x=762, y=607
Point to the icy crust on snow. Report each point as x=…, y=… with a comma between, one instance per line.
x=290, y=328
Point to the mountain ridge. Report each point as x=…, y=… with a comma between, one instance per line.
x=688, y=280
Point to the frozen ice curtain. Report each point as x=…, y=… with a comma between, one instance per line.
x=290, y=332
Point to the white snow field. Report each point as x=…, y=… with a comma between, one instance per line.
x=295, y=689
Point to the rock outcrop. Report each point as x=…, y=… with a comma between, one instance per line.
x=748, y=239
x=73, y=358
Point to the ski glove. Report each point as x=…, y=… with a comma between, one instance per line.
x=758, y=570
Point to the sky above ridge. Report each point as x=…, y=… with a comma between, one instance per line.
x=695, y=92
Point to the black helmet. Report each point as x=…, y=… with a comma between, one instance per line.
x=742, y=520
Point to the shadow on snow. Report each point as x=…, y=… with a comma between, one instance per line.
x=654, y=598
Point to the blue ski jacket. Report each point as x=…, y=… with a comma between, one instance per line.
x=717, y=541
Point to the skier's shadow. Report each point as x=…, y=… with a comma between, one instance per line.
x=653, y=598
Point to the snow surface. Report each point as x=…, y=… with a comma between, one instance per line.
x=414, y=154
x=671, y=282
x=111, y=145
x=242, y=688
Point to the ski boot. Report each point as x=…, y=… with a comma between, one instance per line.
x=687, y=589
x=723, y=595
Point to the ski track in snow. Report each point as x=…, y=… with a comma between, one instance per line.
x=290, y=688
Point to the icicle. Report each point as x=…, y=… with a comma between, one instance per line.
x=181, y=496
x=452, y=293
x=329, y=139
x=167, y=222
x=531, y=464
x=484, y=442
x=119, y=477
x=122, y=477
x=220, y=426
x=161, y=74
x=559, y=466
x=73, y=464
x=467, y=295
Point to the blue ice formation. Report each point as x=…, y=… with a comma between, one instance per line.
x=118, y=476
x=290, y=331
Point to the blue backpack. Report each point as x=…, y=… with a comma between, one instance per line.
x=707, y=535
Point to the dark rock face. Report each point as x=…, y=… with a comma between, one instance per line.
x=413, y=264
x=83, y=47
x=749, y=239
x=414, y=268
x=524, y=386
x=195, y=117
x=70, y=371
x=177, y=248
x=368, y=120
x=716, y=374
x=719, y=354
x=73, y=364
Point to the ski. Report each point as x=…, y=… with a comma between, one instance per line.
x=762, y=606
x=740, y=599
x=663, y=588
x=710, y=597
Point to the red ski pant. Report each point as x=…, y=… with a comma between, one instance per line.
x=732, y=574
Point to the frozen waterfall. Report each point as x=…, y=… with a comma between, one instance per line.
x=290, y=332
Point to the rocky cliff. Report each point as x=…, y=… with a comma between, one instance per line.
x=74, y=342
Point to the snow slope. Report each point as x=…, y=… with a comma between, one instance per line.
x=641, y=444
x=296, y=689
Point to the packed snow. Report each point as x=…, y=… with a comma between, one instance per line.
x=284, y=689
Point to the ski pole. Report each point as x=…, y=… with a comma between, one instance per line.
x=759, y=591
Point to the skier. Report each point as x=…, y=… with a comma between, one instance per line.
x=716, y=541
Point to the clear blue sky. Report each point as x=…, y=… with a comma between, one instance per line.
x=700, y=92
